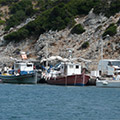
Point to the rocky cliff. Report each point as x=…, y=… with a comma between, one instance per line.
x=95, y=25
x=58, y=42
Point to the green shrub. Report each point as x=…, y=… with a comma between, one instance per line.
x=79, y=7
x=107, y=8
x=86, y=6
x=102, y=7
x=111, y=30
x=11, y=36
x=22, y=33
x=22, y=5
x=15, y=19
x=71, y=23
x=1, y=14
x=7, y=2
x=59, y=15
x=2, y=22
x=17, y=36
x=85, y=45
x=43, y=5
x=78, y=29
x=20, y=11
x=114, y=7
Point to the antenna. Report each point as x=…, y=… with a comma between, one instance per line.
x=46, y=54
x=70, y=50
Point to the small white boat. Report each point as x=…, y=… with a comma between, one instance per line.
x=108, y=83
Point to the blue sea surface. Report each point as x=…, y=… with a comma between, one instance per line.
x=48, y=102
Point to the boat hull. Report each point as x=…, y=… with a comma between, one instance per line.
x=108, y=84
x=20, y=79
x=76, y=80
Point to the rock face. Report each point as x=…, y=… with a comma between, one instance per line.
x=58, y=42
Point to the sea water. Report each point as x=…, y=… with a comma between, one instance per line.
x=49, y=102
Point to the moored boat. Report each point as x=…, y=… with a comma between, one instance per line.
x=108, y=83
x=23, y=73
x=19, y=79
x=76, y=80
x=68, y=74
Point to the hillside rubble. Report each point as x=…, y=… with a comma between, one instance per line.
x=59, y=42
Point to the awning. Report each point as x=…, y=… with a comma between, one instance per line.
x=55, y=58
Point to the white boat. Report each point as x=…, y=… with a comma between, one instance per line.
x=108, y=83
x=23, y=73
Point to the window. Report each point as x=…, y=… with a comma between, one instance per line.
x=29, y=65
x=77, y=66
x=71, y=66
x=16, y=66
x=109, y=63
x=116, y=63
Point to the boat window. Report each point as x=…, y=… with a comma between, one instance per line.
x=116, y=63
x=109, y=63
x=16, y=65
x=29, y=65
x=77, y=66
x=71, y=66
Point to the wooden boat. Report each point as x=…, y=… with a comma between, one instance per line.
x=76, y=80
x=68, y=74
x=19, y=79
x=23, y=73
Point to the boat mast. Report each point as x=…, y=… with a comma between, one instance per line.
x=70, y=50
x=46, y=53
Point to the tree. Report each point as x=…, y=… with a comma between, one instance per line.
x=111, y=30
x=78, y=29
x=85, y=45
x=114, y=6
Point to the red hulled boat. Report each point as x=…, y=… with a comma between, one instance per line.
x=68, y=74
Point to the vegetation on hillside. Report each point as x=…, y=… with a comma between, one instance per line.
x=85, y=45
x=56, y=18
x=111, y=30
x=107, y=8
x=115, y=7
x=7, y=2
x=78, y=29
x=2, y=22
x=54, y=15
x=46, y=4
x=20, y=11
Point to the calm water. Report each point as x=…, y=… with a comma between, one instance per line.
x=45, y=102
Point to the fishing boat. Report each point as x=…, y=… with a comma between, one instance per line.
x=68, y=73
x=23, y=73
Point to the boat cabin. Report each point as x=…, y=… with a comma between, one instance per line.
x=24, y=67
x=70, y=68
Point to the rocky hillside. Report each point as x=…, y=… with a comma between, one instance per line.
x=95, y=25
x=85, y=45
